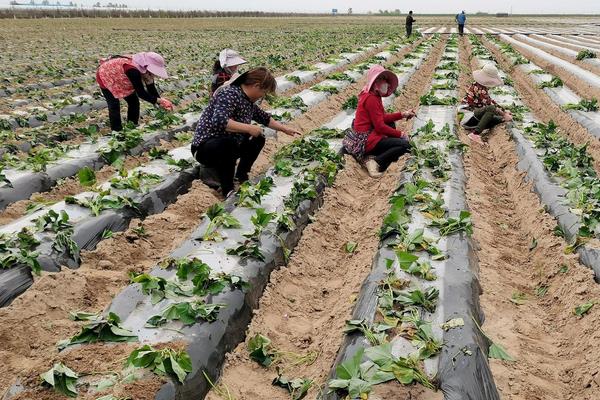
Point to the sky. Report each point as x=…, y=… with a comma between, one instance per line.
x=360, y=6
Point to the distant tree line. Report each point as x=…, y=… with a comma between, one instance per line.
x=114, y=10
x=101, y=12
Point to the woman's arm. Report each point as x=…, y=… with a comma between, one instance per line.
x=135, y=77
x=278, y=126
x=264, y=118
x=376, y=115
x=392, y=117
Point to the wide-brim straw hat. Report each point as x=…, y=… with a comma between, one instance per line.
x=488, y=76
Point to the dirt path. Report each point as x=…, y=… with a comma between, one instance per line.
x=551, y=345
x=306, y=304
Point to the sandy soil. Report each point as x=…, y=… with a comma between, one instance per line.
x=305, y=305
x=551, y=345
x=36, y=320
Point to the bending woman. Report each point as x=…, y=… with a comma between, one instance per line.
x=225, y=134
x=131, y=78
x=373, y=138
x=224, y=68
x=486, y=112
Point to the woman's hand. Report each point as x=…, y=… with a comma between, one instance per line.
x=409, y=114
x=507, y=116
x=288, y=130
x=255, y=130
x=291, y=131
x=166, y=104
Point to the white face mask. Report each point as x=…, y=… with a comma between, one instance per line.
x=384, y=87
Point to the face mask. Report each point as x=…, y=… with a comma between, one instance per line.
x=384, y=87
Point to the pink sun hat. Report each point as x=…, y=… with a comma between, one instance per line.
x=377, y=71
x=151, y=62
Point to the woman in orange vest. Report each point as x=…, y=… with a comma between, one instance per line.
x=131, y=78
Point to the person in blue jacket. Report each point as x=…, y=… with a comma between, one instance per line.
x=461, y=19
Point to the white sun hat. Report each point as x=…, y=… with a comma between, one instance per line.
x=230, y=58
x=488, y=76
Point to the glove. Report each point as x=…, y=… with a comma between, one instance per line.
x=166, y=104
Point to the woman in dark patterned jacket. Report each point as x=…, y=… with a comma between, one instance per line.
x=486, y=112
x=225, y=132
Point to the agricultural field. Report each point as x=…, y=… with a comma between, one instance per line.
x=465, y=271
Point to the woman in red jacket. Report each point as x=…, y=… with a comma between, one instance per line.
x=373, y=139
x=131, y=78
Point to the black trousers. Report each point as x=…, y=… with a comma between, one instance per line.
x=461, y=29
x=114, y=109
x=408, y=30
x=222, y=153
x=389, y=150
x=488, y=118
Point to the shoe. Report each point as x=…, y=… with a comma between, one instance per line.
x=475, y=138
x=373, y=168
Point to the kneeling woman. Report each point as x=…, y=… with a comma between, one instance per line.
x=225, y=134
x=486, y=113
x=373, y=137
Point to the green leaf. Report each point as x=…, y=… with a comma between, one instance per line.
x=186, y=312
x=62, y=379
x=101, y=329
x=583, y=309
x=350, y=368
x=350, y=247
x=380, y=355
x=497, y=352
x=87, y=177
x=298, y=387
x=166, y=361
x=260, y=350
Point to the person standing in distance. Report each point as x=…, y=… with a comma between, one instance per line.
x=409, y=23
x=461, y=19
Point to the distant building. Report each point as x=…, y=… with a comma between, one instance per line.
x=502, y=15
